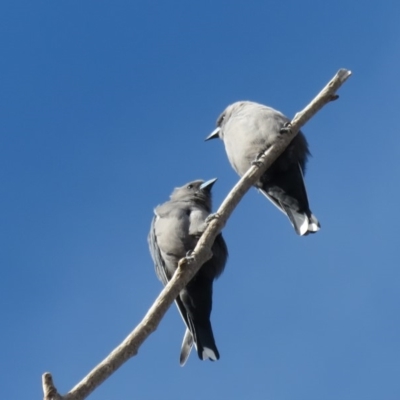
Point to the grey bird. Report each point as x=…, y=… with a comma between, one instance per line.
x=247, y=130
x=175, y=230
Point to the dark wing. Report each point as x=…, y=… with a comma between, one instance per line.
x=159, y=264
x=186, y=348
x=160, y=272
x=220, y=254
x=286, y=189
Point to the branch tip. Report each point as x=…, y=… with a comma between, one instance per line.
x=343, y=74
x=49, y=390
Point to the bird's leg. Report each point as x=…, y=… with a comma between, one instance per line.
x=257, y=162
x=287, y=128
x=211, y=217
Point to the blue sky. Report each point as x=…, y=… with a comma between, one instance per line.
x=104, y=108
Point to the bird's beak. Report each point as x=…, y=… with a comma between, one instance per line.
x=214, y=134
x=208, y=185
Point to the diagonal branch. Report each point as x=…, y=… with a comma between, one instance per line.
x=186, y=270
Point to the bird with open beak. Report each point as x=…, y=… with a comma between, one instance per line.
x=247, y=130
x=175, y=230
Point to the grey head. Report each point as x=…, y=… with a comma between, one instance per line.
x=229, y=112
x=198, y=191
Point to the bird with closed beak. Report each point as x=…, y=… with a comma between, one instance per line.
x=247, y=130
x=175, y=230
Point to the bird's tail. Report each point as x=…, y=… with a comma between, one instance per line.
x=288, y=193
x=313, y=225
x=205, y=344
x=302, y=222
x=204, y=341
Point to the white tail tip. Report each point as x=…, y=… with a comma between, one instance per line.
x=208, y=353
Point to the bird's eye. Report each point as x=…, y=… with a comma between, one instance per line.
x=190, y=186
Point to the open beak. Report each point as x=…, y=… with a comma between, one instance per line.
x=208, y=184
x=214, y=134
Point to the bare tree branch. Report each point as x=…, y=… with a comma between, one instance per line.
x=187, y=269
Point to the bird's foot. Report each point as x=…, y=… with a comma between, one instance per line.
x=287, y=128
x=257, y=161
x=211, y=217
x=189, y=256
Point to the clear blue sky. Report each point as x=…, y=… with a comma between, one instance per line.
x=104, y=108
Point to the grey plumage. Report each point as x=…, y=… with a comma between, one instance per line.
x=175, y=230
x=247, y=130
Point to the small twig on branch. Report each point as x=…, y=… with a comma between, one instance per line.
x=186, y=270
x=49, y=390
